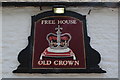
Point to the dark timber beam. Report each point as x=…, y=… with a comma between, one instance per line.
x=67, y=4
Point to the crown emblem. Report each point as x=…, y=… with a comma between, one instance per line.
x=58, y=40
x=58, y=45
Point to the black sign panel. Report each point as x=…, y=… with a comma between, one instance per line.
x=59, y=44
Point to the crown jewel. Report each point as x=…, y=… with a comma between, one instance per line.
x=58, y=40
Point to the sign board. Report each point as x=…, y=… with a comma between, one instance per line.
x=59, y=44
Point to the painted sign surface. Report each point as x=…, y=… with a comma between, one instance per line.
x=58, y=43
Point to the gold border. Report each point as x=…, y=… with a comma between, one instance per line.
x=59, y=68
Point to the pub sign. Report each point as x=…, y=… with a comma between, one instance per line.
x=59, y=44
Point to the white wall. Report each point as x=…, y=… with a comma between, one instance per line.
x=102, y=26
x=0, y=42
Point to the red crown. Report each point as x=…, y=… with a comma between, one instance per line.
x=65, y=37
x=58, y=40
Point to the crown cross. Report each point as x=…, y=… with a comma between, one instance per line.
x=58, y=28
